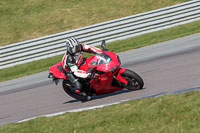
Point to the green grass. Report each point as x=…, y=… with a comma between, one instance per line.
x=168, y=114
x=27, y=19
x=122, y=45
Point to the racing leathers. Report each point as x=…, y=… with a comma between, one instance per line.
x=73, y=62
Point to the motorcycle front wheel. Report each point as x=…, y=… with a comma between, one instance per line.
x=68, y=89
x=135, y=82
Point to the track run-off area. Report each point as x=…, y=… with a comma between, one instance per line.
x=165, y=67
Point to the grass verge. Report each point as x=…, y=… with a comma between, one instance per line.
x=26, y=19
x=178, y=113
x=122, y=45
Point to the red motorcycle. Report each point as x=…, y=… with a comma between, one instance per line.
x=106, y=76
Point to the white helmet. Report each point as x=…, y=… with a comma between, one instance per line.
x=73, y=46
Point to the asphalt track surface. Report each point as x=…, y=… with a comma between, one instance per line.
x=165, y=67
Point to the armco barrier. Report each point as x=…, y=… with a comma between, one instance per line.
x=117, y=29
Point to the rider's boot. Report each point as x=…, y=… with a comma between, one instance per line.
x=77, y=87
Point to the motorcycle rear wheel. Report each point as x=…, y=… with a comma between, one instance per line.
x=66, y=86
x=135, y=82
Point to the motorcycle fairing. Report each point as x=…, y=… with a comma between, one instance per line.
x=94, y=61
x=103, y=84
x=56, y=72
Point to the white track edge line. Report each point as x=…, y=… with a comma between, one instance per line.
x=113, y=103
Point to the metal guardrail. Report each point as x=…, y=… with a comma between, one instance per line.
x=117, y=29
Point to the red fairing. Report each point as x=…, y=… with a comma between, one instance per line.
x=55, y=71
x=103, y=84
x=101, y=67
x=85, y=66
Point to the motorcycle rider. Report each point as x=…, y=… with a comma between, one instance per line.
x=72, y=60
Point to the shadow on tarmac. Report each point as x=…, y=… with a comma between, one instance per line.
x=102, y=96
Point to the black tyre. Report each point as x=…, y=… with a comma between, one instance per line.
x=135, y=82
x=66, y=86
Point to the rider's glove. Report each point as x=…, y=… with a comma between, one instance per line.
x=93, y=75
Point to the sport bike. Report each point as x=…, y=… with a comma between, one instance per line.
x=106, y=76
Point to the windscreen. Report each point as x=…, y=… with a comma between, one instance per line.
x=101, y=59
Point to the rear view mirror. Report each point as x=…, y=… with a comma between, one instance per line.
x=103, y=45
